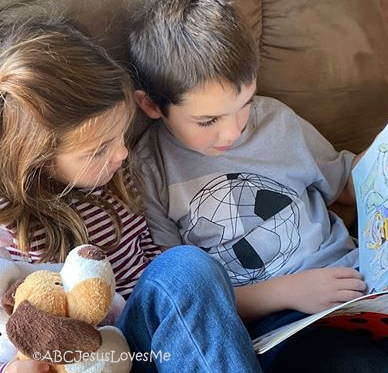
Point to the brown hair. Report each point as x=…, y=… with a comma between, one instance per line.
x=176, y=46
x=52, y=81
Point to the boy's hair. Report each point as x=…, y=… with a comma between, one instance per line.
x=53, y=81
x=175, y=46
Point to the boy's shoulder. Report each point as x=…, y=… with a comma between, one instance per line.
x=148, y=143
x=271, y=114
x=265, y=104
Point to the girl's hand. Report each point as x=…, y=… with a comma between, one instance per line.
x=315, y=290
x=28, y=366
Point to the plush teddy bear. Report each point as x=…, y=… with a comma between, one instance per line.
x=54, y=316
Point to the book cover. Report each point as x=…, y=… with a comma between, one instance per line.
x=369, y=313
x=370, y=177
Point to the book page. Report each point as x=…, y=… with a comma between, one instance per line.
x=374, y=303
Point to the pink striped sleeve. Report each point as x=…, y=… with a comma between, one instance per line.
x=3, y=367
x=149, y=248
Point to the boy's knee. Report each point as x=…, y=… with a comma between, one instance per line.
x=187, y=263
x=186, y=257
x=186, y=253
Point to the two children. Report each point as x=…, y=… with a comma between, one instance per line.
x=66, y=113
x=245, y=179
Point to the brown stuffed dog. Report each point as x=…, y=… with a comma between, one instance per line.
x=53, y=316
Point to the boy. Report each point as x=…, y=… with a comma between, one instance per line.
x=242, y=177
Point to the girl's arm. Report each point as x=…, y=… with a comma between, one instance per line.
x=26, y=366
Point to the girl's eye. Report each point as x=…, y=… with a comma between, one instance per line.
x=101, y=151
x=208, y=123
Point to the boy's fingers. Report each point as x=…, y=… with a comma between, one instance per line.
x=346, y=295
x=352, y=284
x=347, y=272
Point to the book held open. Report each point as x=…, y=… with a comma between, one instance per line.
x=367, y=314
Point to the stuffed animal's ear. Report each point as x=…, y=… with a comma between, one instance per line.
x=89, y=283
x=32, y=331
x=8, y=299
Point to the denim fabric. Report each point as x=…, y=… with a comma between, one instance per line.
x=184, y=305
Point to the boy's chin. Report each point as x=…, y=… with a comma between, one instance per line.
x=213, y=152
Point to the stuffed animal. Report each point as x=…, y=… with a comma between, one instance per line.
x=54, y=316
x=11, y=271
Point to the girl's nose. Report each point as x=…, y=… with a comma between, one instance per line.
x=120, y=153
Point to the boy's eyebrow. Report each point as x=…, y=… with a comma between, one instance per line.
x=204, y=117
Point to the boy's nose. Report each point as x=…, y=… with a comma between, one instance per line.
x=231, y=131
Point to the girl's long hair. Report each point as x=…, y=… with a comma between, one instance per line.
x=53, y=80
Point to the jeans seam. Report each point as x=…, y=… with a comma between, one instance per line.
x=182, y=320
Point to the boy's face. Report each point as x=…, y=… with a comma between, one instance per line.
x=91, y=157
x=210, y=119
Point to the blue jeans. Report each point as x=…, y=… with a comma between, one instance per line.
x=184, y=305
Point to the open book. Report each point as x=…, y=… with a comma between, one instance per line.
x=368, y=313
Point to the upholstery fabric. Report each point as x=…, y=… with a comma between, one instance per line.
x=328, y=60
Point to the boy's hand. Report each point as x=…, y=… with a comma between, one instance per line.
x=315, y=290
x=28, y=366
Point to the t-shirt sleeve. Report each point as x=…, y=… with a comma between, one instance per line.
x=332, y=167
x=163, y=230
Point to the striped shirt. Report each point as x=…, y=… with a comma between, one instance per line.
x=128, y=259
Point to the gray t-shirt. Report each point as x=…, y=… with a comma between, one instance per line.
x=260, y=208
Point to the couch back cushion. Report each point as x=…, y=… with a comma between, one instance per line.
x=328, y=60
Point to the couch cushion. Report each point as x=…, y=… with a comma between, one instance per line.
x=328, y=61
x=104, y=20
x=250, y=10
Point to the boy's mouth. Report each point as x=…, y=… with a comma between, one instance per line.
x=222, y=148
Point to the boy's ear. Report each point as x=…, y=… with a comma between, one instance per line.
x=147, y=105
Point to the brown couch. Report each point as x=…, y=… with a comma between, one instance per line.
x=328, y=60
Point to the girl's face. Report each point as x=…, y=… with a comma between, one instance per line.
x=91, y=155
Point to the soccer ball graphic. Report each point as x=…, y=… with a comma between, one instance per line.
x=248, y=222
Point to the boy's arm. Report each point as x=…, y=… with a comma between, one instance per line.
x=348, y=197
x=308, y=291
x=163, y=230
x=154, y=194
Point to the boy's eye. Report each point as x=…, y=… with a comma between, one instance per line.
x=208, y=123
x=249, y=102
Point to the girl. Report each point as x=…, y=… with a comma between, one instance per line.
x=66, y=113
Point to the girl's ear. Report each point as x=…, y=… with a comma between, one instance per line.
x=147, y=105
